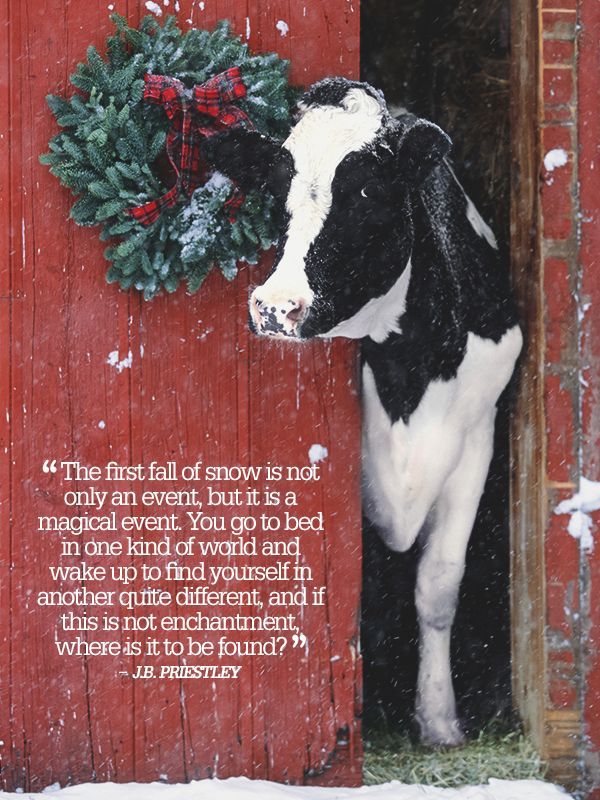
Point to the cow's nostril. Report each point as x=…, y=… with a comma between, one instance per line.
x=298, y=311
x=277, y=316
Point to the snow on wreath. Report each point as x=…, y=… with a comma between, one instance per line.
x=130, y=149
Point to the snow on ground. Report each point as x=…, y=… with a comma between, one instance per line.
x=245, y=789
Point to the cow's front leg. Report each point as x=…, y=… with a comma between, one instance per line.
x=439, y=574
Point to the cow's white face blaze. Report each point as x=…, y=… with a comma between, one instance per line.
x=321, y=139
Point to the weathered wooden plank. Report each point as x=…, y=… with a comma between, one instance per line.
x=528, y=505
x=100, y=399
x=5, y=391
x=42, y=714
x=62, y=331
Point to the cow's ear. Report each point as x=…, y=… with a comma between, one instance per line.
x=244, y=156
x=421, y=149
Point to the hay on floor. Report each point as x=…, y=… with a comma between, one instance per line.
x=511, y=756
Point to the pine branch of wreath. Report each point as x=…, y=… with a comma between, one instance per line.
x=110, y=148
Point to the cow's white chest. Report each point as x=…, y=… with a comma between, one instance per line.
x=405, y=465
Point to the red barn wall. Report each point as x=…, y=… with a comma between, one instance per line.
x=225, y=397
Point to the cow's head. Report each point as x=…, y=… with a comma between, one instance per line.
x=343, y=181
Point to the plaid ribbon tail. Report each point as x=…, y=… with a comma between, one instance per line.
x=149, y=212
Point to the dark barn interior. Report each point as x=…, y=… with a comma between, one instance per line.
x=447, y=60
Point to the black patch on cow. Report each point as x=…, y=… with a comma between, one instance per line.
x=457, y=286
x=278, y=182
x=422, y=147
x=364, y=244
x=332, y=91
x=250, y=159
x=367, y=238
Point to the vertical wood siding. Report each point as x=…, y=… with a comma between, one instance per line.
x=223, y=398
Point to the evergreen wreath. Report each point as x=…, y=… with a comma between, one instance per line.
x=111, y=139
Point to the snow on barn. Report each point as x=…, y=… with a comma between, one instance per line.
x=192, y=380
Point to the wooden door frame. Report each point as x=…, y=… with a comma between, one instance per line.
x=527, y=496
x=549, y=626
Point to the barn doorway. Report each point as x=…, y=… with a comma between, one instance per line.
x=448, y=61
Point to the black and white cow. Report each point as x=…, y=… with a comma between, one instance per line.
x=380, y=243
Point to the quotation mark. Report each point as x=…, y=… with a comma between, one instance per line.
x=49, y=466
x=299, y=640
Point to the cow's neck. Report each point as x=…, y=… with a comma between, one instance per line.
x=455, y=287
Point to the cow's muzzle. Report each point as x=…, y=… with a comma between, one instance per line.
x=277, y=316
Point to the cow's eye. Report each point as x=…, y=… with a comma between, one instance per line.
x=371, y=190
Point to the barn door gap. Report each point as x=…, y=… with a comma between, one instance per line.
x=448, y=61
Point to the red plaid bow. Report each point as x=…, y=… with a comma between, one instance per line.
x=208, y=110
